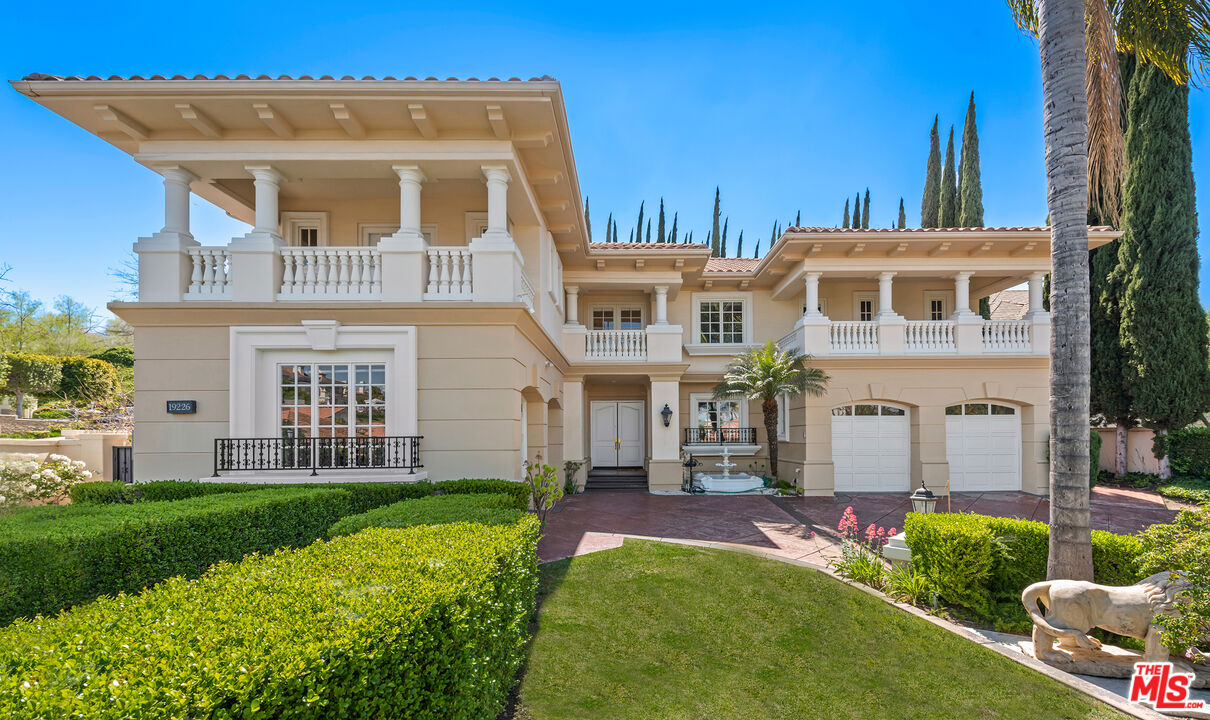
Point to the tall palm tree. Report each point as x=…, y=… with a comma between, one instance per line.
x=1077, y=41
x=765, y=373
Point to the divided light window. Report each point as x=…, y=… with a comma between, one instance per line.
x=617, y=318
x=718, y=414
x=936, y=309
x=980, y=409
x=721, y=321
x=308, y=237
x=333, y=399
x=865, y=310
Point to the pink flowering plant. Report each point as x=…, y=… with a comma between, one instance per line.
x=861, y=551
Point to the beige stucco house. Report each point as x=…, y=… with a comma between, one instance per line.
x=417, y=296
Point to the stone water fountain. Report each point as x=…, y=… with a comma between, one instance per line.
x=726, y=481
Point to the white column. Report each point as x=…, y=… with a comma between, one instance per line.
x=885, y=306
x=812, y=281
x=962, y=293
x=497, y=198
x=573, y=305
x=176, y=199
x=410, y=178
x=267, y=182
x=1036, y=281
x=661, y=304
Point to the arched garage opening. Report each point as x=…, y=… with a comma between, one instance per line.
x=871, y=448
x=983, y=446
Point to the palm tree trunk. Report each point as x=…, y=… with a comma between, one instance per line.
x=1065, y=123
x=769, y=408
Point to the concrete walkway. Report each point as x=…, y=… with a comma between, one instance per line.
x=797, y=528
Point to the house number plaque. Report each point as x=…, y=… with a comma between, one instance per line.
x=182, y=407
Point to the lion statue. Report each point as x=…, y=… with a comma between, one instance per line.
x=1073, y=607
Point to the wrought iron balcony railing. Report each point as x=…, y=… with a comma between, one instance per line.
x=318, y=453
x=718, y=436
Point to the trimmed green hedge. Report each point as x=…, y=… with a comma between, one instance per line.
x=477, y=486
x=54, y=557
x=1187, y=489
x=363, y=496
x=1188, y=451
x=427, y=622
x=977, y=561
x=437, y=510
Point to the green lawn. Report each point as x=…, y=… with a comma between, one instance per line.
x=653, y=630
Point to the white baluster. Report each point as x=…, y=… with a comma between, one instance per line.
x=220, y=271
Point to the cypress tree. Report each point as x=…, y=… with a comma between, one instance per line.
x=902, y=215
x=587, y=220
x=714, y=236
x=648, y=230
x=773, y=234
x=723, y=243
x=948, y=216
x=856, y=212
x=756, y=252
x=985, y=308
x=659, y=236
x=672, y=239
x=843, y=223
x=798, y=219
x=609, y=228
x=970, y=186
x=865, y=210
x=930, y=202
x=615, y=231
x=631, y=236
x=639, y=228
x=1163, y=325
x=739, y=245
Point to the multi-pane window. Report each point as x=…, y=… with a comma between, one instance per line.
x=865, y=310
x=617, y=318
x=936, y=309
x=308, y=237
x=718, y=414
x=980, y=409
x=721, y=321
x=868, y=411
x=333, y=400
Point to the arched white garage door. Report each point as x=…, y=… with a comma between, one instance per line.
x=983, y=447
x=871, y=448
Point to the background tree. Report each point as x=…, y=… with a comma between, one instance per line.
x=985, y=308
x=764, y=374
x=947, y=216
x=856, y=211
x=69, y=328
x=1162, y=321
x=1109, y=397
x=672, y=237
x=739, y=245
x=902, y=215
x=19, y=324
x=659, y=234
x=638, y=231
x=865, y=210
x=756, y=252
x=609, y=228
x=87, y=379
x=29, y=373
x=723, y=242
x=587, y=220
x=970, y=186
x=648, y=230
x=930, y=202
x=843, y=223
x=714, y=236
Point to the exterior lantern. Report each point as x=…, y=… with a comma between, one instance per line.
x=666, y=413
x=923, y=500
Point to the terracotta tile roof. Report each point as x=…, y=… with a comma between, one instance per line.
x=1009, y=304
x=40, y=77
x=731, y=264
x=1034, y=228
x=644, y=246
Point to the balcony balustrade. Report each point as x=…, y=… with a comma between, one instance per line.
x=854, y=336
x=1006, y=336
x=330, y=273
x=607, y=345
x=929, y=336
x=449, y=274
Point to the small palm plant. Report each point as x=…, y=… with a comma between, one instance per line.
x=764, y=374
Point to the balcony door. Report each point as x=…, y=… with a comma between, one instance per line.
x=617, y=317
x=617, y=433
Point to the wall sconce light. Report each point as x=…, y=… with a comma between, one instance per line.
x=666, y=413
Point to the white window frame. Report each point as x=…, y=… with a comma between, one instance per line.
x=695, y=398
x=861, y=295
x=293, y=221
x=783, y=417
x=616, y=309
x=350, y=401
x=429, y=231
x=696, y=331
x=947, y=303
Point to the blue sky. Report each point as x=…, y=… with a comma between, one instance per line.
x=787, y=107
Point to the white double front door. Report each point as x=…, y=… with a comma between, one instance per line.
x=617, y=433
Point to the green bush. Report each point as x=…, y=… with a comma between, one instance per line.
x=427, y=622
x=476, y=486
x=437, y=510
x=1094, y=456
x=1187, y=489
x=87, y=380
x=116, y=356
x=1188, y=451
x=33, y=434
x=978, y=561
x=362, y=496
x=54, y=557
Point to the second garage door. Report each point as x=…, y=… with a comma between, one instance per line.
x=870, y=448
x=983, y=447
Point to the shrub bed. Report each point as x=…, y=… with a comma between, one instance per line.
x=983, y=563
x=1188, y=451
x=362, y=496
x=476, y=486
x=54, y=557
x=426, y=622
x=1187, y=489
x=440, y=509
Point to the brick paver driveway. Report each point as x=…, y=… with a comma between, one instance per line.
x=800, y=528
